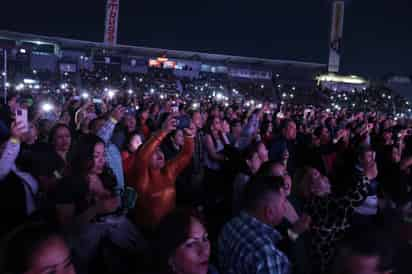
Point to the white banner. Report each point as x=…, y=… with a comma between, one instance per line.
x=336, y=35
x=112, y=16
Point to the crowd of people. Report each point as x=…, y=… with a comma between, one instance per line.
x=193, y=182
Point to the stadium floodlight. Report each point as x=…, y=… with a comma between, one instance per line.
x=85, y=95
x=47, y=107
x=29, y=81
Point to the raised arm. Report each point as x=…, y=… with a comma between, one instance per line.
x=106, y=131
x=11, y=150
x=182, y=160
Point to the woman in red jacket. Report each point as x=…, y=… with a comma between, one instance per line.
x=154, y=179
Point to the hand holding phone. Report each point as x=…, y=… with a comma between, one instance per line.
x=22, y=119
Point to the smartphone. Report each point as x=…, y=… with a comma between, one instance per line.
x=129, y=198
x=22, y=118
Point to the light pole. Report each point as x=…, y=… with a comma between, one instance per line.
x=5, y=76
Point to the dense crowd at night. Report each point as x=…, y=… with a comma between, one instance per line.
x=147, y=173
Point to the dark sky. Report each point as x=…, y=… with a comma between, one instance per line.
x=377, y=34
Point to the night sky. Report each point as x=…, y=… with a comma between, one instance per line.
x=377, y=34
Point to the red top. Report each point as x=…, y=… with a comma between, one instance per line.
x=155, y=187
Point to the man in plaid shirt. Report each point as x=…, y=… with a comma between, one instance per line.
x=247, y=244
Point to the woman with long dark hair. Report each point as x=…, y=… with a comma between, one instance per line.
x=90, y=207
x=181, y=244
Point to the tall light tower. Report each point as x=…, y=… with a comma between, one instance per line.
x=111, y=22
x=336, y=35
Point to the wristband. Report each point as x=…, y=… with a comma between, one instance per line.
x=14, y=140
x=113, y=120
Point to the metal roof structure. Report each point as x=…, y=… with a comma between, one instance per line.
x=155, y=52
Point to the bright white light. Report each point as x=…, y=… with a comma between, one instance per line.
x=3, y=74
x=7, y=84
x=141, y=80
x=34, y=71
x=226, y=104
x=353, y=105
x=130, y=91
x=29, y=81
x=339, y=95
x=389, y=97
x=110, y=93
x=106, y=89
x=409, y=110
x=284, y=94
x=206, y=85
x=23, y=51
x=162, y=96
x=366, y=100
x=332, y=97
x=47, y=107
x=124, y=79
x=152, y=90
x=247, y=104
x=291, y=95
x=136, y=107
x=20, y=87
x=252, y=102
x=328, y=110
x=63, y=86
x=346, y=98
x=383, y=95
x=293, y=88
x=277, y=75
x=407, y=102
x=85, y=95
x=195, y=105
x=279, y=86
x=37, y=42
x=282, y=103
x=353, y=91
x=162, y=86
x=262, y=86
x=36, y=86
x=219, y=96
x=259, y=106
